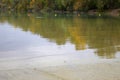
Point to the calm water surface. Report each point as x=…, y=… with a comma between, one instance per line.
x=31, y=36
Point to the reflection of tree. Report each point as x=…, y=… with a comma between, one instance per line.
x=76, y=35
x=104, y=37
x=106, y=52
x=54, y=30
x=76, y=38
x=99, y=34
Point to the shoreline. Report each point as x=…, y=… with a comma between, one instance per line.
x=111, y=12
x=26, y=70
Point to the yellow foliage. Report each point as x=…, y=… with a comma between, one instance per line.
x=78, y=40
x=78, y=4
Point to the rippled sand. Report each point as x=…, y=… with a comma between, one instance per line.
x=59, y=68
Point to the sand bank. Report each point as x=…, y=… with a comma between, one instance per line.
x=59, y=68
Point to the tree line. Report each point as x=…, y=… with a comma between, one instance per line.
x=58, y=5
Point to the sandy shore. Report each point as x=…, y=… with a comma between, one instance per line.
x=60, y=68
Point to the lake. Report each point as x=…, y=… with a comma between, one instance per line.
x=31, y=36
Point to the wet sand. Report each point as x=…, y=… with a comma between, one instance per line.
x=59, y=68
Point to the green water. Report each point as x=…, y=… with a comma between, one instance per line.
x=96, y=37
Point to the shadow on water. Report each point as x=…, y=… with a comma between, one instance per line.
x=101, y=34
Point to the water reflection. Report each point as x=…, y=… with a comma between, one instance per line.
x=100, y=34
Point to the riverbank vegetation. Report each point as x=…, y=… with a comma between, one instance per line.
x=58, y=5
